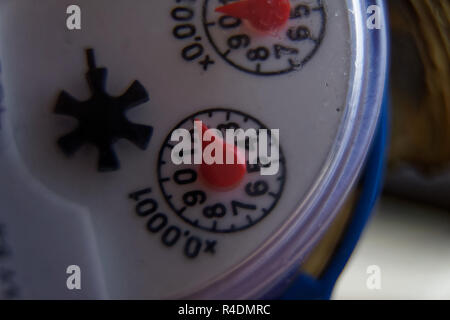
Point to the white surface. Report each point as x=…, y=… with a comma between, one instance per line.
x=411, y=246
x=43, y=235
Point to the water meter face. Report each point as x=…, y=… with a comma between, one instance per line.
x=89, y=115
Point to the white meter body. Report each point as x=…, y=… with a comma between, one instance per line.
x=88, y=177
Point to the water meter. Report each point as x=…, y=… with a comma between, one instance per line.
x=90, y=181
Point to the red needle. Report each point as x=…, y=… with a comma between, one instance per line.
x=222, y=176
x=264, y=15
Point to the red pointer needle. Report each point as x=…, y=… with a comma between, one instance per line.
x=222, y=176
x=264, y=15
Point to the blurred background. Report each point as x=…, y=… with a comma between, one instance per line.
x=408, y=238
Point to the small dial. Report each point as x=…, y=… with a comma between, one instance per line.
x=287, y=49
x=223, y=211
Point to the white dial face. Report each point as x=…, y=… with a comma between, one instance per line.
x=99, y=147
x=286, y=50
x=220, y=211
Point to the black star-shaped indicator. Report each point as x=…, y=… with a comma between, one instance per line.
x=101, y=119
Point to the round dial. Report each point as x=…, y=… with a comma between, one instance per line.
x=282, y=51
x=218, y=210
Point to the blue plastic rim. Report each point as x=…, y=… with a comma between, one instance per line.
x=306, y=287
